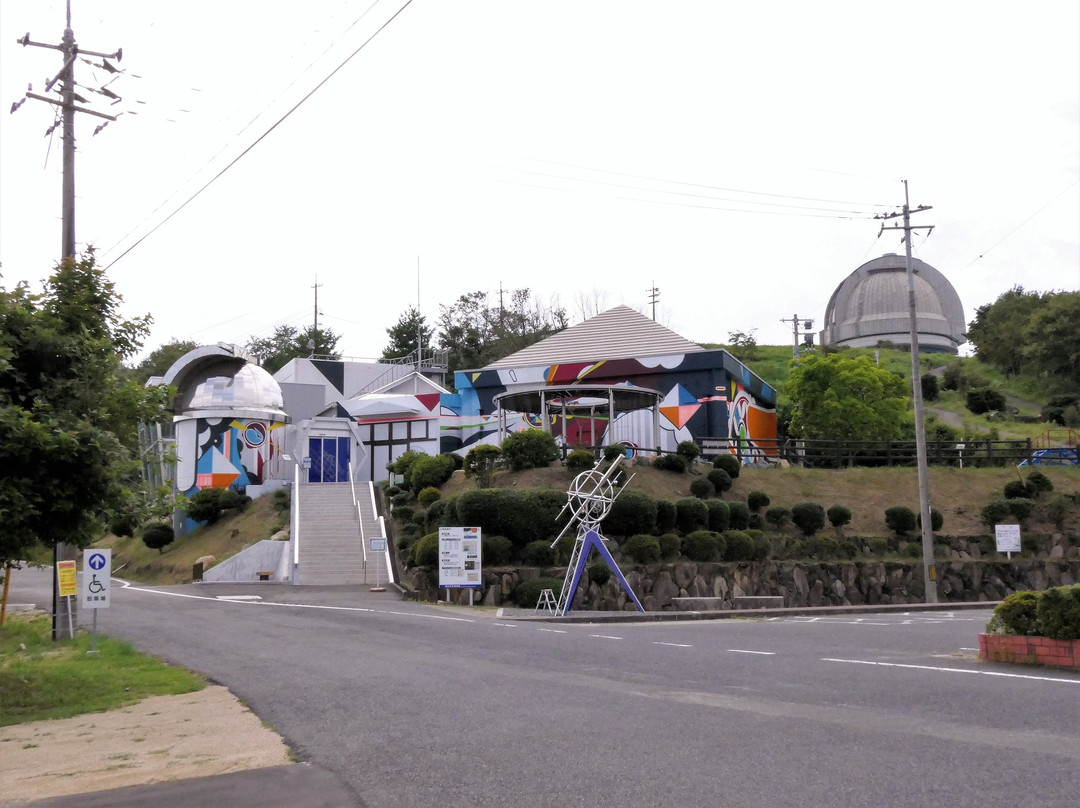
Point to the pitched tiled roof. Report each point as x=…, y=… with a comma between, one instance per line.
x=618, y=333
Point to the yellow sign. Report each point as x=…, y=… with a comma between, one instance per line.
x=66, y=577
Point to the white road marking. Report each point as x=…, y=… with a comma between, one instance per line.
x=744, y=651
x=552, y=630
x=239, y=597
x=605, y=637
x=954, y=670
x=506, y=625
x=674, y=644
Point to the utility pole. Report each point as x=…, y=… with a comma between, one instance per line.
x=654, y=295
x=930, y=577
x=806, y=333
x=64, y=609
x=316, y=288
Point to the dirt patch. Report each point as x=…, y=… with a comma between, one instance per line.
x=161, y=738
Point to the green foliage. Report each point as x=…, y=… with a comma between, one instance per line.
x=521, y=516
x=930, y=391
x=900, y=519
x=729, y=463
x=995, y=513
x=403, y=464
x=981, y=400
x=666, y=515
x=702, y=488
x=496, y=550
x=937, y=520
x=756, y=500
x=670, y=462
x=642, y=548
x=1057, y=510
x=822, y=548
x=1018, y=613
x=613, y=451
x=580, y=460
x=539, y=553
x=719, y=515
x=809, y=517
x=430, y=471
x=204, y=506
x=288, y=343
x=404, y=513
x=68, y=411
x=834, y=397
x=778, y=516
x=738, y=546
x=281, y=500
x=531, y=448
x=739, y=518
x=631, y=512
x=1020, y=508
x=426, y=552
x=913, y=550
x=527, y=593
x=1057, y=407
x=481, y=462
x=428, y=496
x=403, y=335
x=158, y=536
x=1058, y=613
x=599, y=573
x=232, y=500
x=839, y=516
x=879, y=546
x=670, y=546
x=1039, y=483
x=124, y=524
x=688, y=451
x=703, y=545
x=720, y=479
x=691, y=514
x=159, y=360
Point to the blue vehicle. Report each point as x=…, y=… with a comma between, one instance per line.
x=1052, y=457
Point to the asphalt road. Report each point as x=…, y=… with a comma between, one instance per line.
x=416, y=705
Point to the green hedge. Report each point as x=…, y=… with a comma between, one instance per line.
x=1054, y=613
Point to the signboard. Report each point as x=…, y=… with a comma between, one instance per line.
x=1008, y=538
x=459, y=557
x=97, y=566
x=67, y=578
x=377, y=545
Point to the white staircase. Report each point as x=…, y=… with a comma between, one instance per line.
x=332, y=537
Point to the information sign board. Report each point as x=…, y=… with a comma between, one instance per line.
x=459, y=557
x=67, y=578
x=377, y=545
x=97, y=566
x=1008, y=538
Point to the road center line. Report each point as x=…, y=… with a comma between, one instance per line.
x=744, y=651
x=954, y=670
x=674, y=644
x=553, y=630
x=605, y=637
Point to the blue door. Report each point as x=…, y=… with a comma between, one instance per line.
x=329, y=460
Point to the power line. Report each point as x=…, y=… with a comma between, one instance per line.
x=1028, y=219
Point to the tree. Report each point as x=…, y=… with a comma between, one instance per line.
x=403, y=335
x=158, y=536
x=288, y=343
x=998, y=331
x=158, y=361
x=1052, y=347
x=68, y=420
x=743, y=345
x=481, y=462
x=833, y=397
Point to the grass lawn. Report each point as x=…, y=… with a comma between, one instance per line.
x=42, y=679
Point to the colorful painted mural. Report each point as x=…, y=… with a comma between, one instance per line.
x=230, y=453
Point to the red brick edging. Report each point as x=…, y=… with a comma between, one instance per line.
x=1030, y=650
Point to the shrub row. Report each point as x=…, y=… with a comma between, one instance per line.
x=1054, y=613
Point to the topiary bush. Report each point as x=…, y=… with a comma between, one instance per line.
x=158, y=536
x=670, y=546
x=838, y=516
x=532, y=448
x=703, y=546
x=1016, y=489
x=778, y=517
x=738, y=546
x=1018, y=613
x=995, y=513
x=720, y=480
x=527, y=593
x=402, y=466
x=481, y=462
x=430, y=471
x=425, y=552
x=496, y=550
x=702, y=488
x=428, y=496
x=729, y=463
x=980, y=400
x=666, y=515
x=631, y=512
x=233, y=500
x=691, y=514
x=739, y=518
x=1039, y=483
x=822, y=547
x=580, y=460
x=756, y=500
x=670, y=462
x=1020, y=508
x=613, y=451
x=900, y=519
x=937, y=520
x=688, y=451
x=809, y=517
x=599, y=572
x=719, y=515
x=643, y=549
x=1058, y=613
x=539, y=554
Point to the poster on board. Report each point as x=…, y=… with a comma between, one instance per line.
x=459, y=557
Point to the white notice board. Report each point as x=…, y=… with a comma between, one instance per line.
x=459, y=557
x=1008, y=538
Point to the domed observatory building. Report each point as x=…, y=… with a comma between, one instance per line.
x=871, y=306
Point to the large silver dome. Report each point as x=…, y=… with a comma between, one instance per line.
x=248, y=388
x=871, y=306
x=220, y=378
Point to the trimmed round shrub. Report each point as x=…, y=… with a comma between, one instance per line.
x=631, y=512
x=757, y=521
x=838, y=516
x=879, y=546
x=439, y=510
x=1020, y=508
x=691, y=514
x=913, y=550
x=821, y=547
x=778, y=516
x=1058, y=612
x=496, y=550
x=480, y=462
x=1016, y=489
x=720, y=480
x=613, y=451
x=580, y=460
x=404, y=463
x=670, y=462
x=738, y=546
x=400, y=499
x=532, y=448
x=729, y=463
x=1040, y=483
x=427, y=496
x=430, y=471
x=703, y=546
x=702, y=488
x=689, y=451
x=900, y=519
x=666, y=515
x=123, y=524
x=762, y=546
x=426, y=551
x=670, y=546
x=643, y=549
x=204, y=505
x=739, y=516
x=809, y=517
x=995, y=513
x=756, y=500
x=404, y=513
x=420, y=517
x=158, y=536
x=527, y=593
x=937, y=520
x=719, y=515
x=404, y=543
x=390, y=491
x=1018, y=613
x=540, y=554
x=599, y=573
x=233, y=500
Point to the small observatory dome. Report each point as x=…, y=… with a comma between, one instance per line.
x=220, y=378
x=871, y=306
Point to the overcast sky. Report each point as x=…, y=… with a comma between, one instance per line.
x=733, y=155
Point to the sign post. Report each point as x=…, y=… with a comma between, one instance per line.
x=1008, y=539
x=97, y=566
x=68, y=586
x=378, y=545
x=459, y=559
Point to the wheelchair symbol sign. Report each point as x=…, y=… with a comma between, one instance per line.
x=95, y=579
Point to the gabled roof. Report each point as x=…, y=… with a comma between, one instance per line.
x=618, y=333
